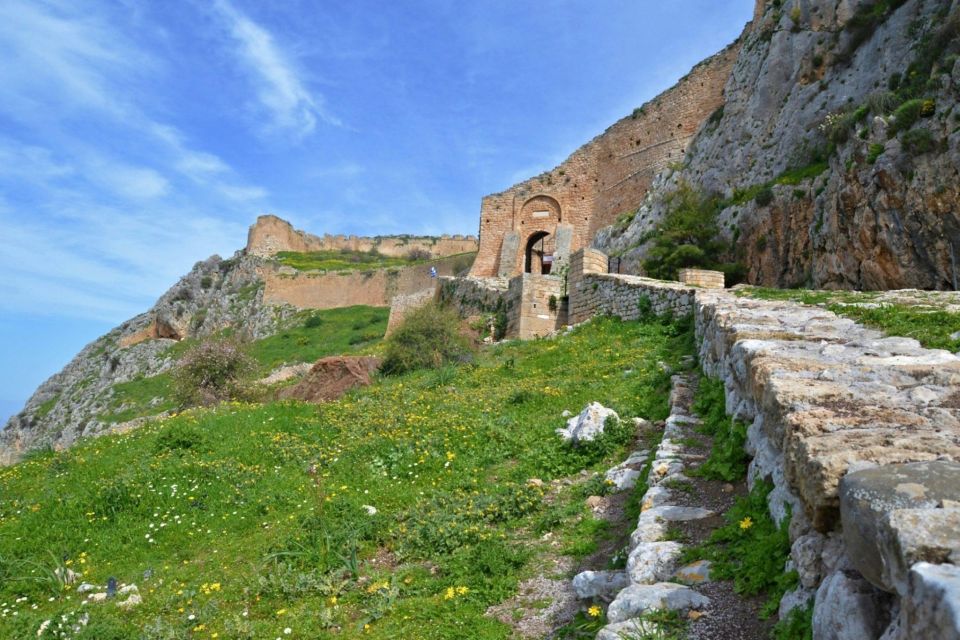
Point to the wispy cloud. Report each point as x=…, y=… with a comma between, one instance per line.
x=281, y=91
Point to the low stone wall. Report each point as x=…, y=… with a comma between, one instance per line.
x=836, y=411
x=702, y=278
x=622, y=296
x=473, y=296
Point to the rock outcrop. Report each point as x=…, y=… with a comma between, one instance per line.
x=822, y=184
x=332, y=377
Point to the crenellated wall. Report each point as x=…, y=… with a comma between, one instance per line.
x=270, y=235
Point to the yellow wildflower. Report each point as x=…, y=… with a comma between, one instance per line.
x=594, y=611
x=746, y=523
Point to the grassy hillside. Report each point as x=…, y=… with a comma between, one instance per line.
x=344, y=260
x=310, y=335
x=401, y=511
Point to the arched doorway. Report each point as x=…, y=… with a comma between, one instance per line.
x=538, y=257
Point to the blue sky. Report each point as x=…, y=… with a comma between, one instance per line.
x=139, y=137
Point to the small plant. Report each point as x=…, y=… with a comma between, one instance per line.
x=206, y=282
x=875, y=151
x=764, y=197
x=908, y=113
x=418, y=255
x=552, y=303
x=426, y=339
x=728, y=459
x=312, y=322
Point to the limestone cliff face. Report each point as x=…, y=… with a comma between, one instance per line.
x=215, y=294
x=814, y=81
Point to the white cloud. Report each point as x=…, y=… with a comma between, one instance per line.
x=280, y=90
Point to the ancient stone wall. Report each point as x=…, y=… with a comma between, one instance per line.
x=602, y=179
x=270, y=235
x=702, y=278
x=404, y=303
x=474, y=296
x=376, y=287
x=534, y=306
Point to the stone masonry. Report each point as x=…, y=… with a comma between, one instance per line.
x=270, y=235
x=606, y=177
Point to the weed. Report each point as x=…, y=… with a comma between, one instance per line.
x=727, y=460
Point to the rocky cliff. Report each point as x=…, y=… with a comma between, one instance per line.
x=836, y=154
x=215, y=294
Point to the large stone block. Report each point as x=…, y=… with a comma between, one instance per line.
x=847, y=607
x=932, y=606
x=890, y=518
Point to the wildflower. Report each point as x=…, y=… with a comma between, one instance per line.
x=746, y=523
x=594, y=611
x=280, y=612
x=450, y=594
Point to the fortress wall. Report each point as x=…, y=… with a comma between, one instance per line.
x=606, y=177
x=343, y=289
x=270, y=235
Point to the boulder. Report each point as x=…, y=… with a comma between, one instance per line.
x=331, y=377
x=652, y=562
x=599, y=584
x=696, y=572
x=641, y=598
x=891, y=518
x=848, y=607
x=637, y=628
x=931, y=608
x=589, y=424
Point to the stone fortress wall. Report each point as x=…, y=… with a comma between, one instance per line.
x=376, y=287
x=270, y=235
x=606, y=177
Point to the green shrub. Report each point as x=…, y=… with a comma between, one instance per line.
x=312, y=322
x=918, y=141
x=907, y=114
x=728, y=459
x=429, y=337
x=206, y=282
x=764, y=197
x=687, y=236
x=213, y=371
x=874, y=152
x=798, y=625
x=180, y=437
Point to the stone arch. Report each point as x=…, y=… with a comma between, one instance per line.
x=538, y=252
x=540, y=211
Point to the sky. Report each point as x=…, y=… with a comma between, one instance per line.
x=137, y=138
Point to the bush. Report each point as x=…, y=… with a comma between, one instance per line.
x=426, y=339
x=876, y=149
x=213, y=371
x=907, y=114
x=418, y=255
x=764, y=197
x=688, y=235
x=312, y=322
x=918, y=141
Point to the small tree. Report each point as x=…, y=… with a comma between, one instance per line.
x=429, y=337
x=688, y=235
x=213, y=371
x=418, y=255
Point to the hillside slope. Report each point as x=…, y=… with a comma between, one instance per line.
x=837, y=152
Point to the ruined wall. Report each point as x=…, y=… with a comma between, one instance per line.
x=270, y=235
x=529, y=312
x=402, y=304
x=376, y=288
x=602, y=179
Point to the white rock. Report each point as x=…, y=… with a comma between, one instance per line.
x=86, y=587
x=589, y=424
x=673, y=513
x=599, y=584
x=847, y=607
x=652, y=562
x=636, y=628
x=696, y=572
x=931, y=608
x=799, y=597
x=641, y=598
x=131, y=602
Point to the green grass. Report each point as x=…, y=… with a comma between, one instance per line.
x=344, y=330
x=250, y=519
x=930, y=326
x=348, y=330
x=750, y=549
x=727, y=460
x=345, y=260
x=47, y=406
